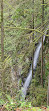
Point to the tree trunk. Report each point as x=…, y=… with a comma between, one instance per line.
x=2, y=32
x=42, y=44
x=48, y=93
x=33, y=38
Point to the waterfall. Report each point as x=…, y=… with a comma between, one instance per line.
x=29, y=78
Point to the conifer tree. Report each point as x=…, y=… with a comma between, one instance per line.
x=48, y=93
x=33, y=38
x=2, y=32
x=42, y=43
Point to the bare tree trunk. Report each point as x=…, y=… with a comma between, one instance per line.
x=48, y=93
x=42, y=44
x=2, y=32
x=33, y=38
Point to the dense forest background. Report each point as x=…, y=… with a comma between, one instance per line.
x=21, y=29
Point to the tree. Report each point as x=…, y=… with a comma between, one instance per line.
x=33, y=38
x=42, y=43
x=48, y=93
x=2, y=32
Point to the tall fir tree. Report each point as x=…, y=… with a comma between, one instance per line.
x=2, y=32
x=42, y=43
x=33, y=37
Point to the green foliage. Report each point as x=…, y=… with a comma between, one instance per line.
x=12, y=103
x=38, y=94
x=18, y=51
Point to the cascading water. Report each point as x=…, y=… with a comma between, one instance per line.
x=29, y=78
x=27, y=82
